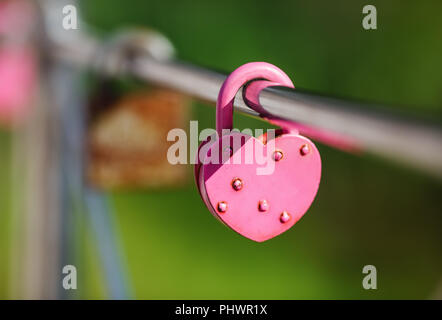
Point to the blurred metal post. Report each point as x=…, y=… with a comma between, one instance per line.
x=36, y=207
x=36, y=233
x=94, y=204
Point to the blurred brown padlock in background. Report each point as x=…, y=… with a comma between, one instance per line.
x=127, y=140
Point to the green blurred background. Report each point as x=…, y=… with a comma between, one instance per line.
x=367, y=211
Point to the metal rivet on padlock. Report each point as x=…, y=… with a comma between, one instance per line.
x=289, y=187
x=305, y=149
x=263, y=205
x=237, y=184
x=285, y=217
x=277, y=155
x=222, y=206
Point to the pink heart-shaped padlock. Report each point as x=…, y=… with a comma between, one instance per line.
x=257, y=187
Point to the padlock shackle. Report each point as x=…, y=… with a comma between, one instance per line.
x=239, y=77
